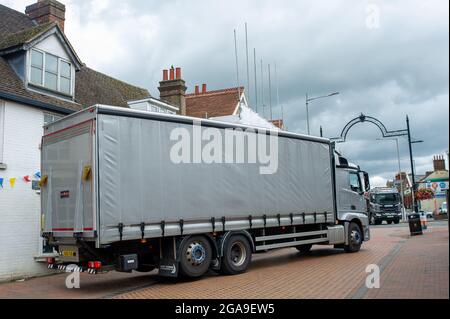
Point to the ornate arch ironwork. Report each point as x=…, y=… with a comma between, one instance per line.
x=363, y=118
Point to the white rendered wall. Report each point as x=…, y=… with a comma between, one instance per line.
x=20, y=206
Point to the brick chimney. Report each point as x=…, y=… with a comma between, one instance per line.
x=172, y=89
x=439, y=163
x=45, y=11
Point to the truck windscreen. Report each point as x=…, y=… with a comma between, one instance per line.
x=387, y=199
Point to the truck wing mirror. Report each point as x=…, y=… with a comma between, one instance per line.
x=366, y=181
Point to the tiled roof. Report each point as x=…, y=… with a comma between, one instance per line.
x=24, y=36
x=213, y=103
x=278, y=123
x=12, y=21
x=91, y=87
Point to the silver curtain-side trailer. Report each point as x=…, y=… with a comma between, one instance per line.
x=108, y=176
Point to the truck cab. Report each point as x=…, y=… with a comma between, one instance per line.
x=351, y=185
x=385, y=205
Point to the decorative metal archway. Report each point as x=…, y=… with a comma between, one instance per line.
x=386, y=133
x=363, y=118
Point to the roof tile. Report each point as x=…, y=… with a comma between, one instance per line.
x=24, y=36
x=213, y=103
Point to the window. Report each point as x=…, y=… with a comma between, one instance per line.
x=37, y=67
x=354, y=183
x=387, y=199
x=51, y=72
x=65, y=77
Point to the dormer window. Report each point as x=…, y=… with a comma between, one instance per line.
x=50, y=72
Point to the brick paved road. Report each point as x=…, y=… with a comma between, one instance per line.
x=411, y=267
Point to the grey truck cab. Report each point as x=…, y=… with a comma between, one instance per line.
x=385, y=205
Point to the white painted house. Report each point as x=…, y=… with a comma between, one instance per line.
x=41, y=79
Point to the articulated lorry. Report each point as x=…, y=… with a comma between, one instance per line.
x=385, y=205
x=118, y=193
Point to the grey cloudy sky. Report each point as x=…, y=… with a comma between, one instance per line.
x=386, y=67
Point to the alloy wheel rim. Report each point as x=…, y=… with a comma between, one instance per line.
x=196, y=254
x=238, y=254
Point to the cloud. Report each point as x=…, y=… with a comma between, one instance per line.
x=397, y=69
x=377, y=181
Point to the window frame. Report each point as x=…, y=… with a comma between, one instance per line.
x=58, y=73
x=350, y=182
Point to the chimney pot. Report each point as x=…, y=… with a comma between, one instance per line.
x=203, y=88
x=438, y=163
x=197, y=91
x=173, y=90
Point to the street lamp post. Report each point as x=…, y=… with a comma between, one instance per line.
x=399, y=174
x=413, y=177
x=308, y=99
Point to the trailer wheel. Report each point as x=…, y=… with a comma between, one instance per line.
x=304, y=249
x=354, y=238
x=195, y=257
x=237, y=255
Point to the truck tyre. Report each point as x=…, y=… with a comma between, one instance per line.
x=355, y=238
x=304, y=249
x=389, y=222
x=397, y=221
x=237, y=255
x=195, y=257
x=378, y=222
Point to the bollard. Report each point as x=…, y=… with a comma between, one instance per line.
x=424, y=221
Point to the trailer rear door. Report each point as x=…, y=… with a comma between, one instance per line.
x=67, y=181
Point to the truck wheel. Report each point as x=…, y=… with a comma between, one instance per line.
x=354, y=238
x=237, y=255
x=389, y=222
x=304, y=249
x=397, y=221
x=195, y=257
x=378, y=222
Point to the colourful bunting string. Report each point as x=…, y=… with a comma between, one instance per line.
x=25, y=179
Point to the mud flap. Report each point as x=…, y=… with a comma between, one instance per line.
x=168, y=268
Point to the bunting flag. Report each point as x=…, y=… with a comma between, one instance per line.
x=37, y=174
x=27, y=179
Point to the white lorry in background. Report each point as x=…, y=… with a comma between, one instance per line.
x=112, y=198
